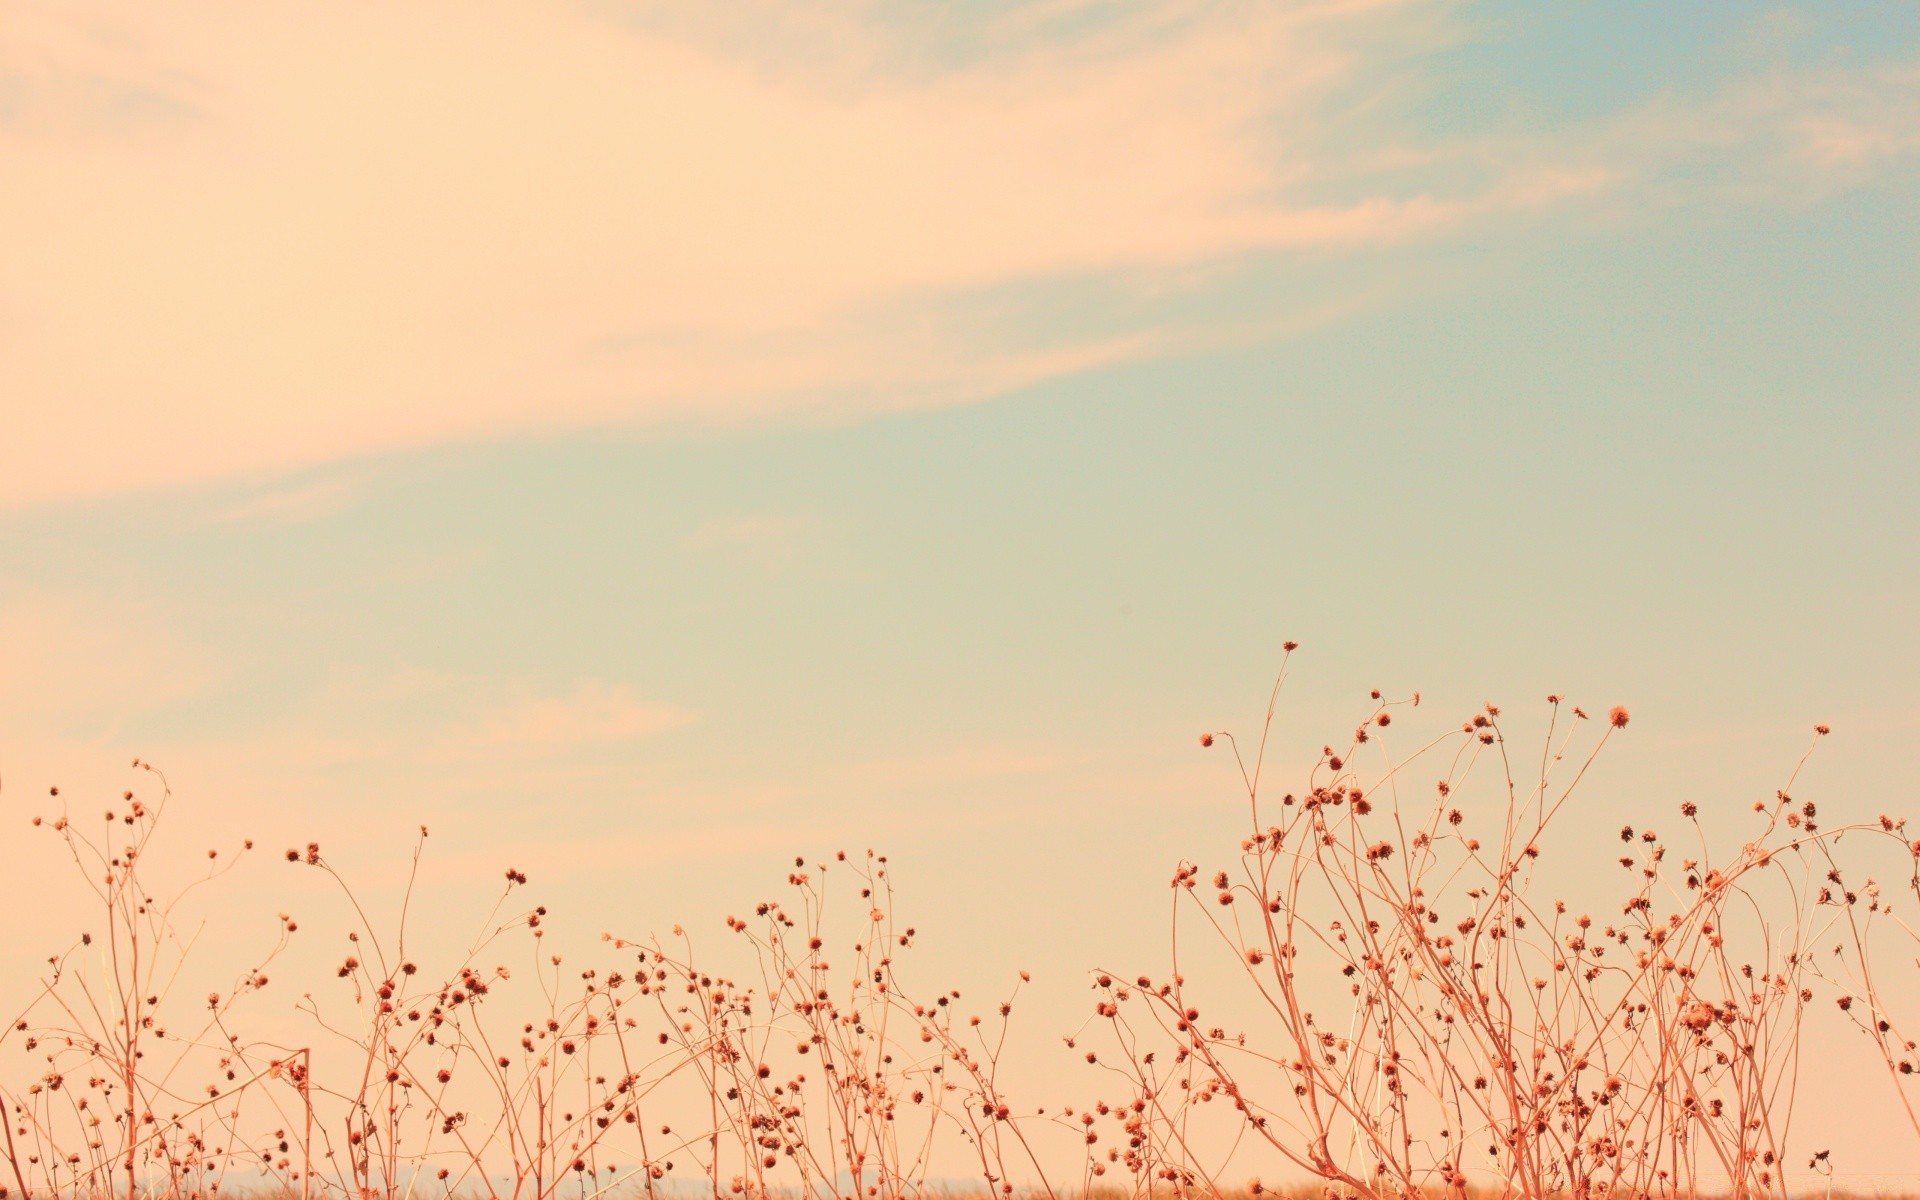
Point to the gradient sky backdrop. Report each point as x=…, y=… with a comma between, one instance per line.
x=646, y=444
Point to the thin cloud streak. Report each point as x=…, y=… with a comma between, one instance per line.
x=441, y=717
x=552, y=222
x=592, y=713
x=61, y=650
x=449, y=250
x=287, y=504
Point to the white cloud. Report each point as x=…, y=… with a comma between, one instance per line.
x=239, y=241
x=1775, y=137
x=338, y=243
x=62, y=652
x=754, y=528
x=414, y=715
x=591, y=713
x=287, y=504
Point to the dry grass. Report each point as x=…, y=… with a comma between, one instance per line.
x=1411, y=1015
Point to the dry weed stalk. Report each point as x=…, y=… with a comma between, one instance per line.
x=826, y=1081
x=133, y=1089
x=1423, y=1021
x=1428, y=1019
x=437, y=1086
x=417, y=1084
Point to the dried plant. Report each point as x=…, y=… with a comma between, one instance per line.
x=134, y=1088
x=1426, y=1018
x=1393, y=996
x=826, y=1081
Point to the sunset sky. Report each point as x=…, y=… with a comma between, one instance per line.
x=648, y=443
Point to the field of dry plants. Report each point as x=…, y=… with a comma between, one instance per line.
x=1409, y=1009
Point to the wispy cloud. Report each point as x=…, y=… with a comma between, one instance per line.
x=61, y=652
x=364, y=716
x=971, y=762
x=287, y=503
x=753, y=529
x=561, y=218
x=1782, y=136
x=591, y=713
x=60, y=669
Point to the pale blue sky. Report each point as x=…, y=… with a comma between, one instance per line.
x=1634, y=420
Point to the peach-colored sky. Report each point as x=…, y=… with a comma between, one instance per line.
x=647, y=443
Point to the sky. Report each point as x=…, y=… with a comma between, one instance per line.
x=648, y=443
